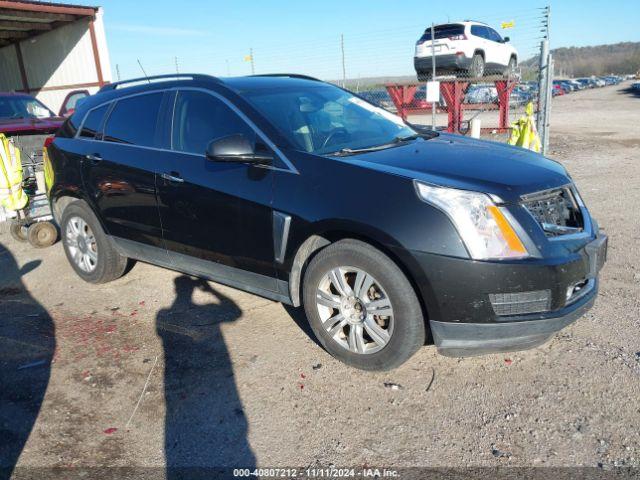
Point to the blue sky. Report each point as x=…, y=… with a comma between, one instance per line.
x=304, y=36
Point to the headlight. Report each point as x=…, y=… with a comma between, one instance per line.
x=483, y=227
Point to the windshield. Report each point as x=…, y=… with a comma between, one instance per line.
x=324, y=119
x=23, y=107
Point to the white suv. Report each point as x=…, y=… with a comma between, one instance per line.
x=468, y=46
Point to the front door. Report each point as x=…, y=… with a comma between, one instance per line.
x=216, y=216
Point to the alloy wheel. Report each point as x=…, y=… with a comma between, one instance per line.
x=355, y=310
x=82, y=244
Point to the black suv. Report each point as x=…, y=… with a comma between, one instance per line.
x=302, y=192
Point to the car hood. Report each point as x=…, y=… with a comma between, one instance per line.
x=469, y=164
x=30, y=125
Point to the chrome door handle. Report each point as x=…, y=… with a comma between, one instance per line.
x=93, y=158
x=171, y=178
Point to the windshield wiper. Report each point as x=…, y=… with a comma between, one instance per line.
x=396, y=141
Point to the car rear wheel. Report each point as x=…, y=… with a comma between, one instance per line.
x=476, y=69
x=361, y=307
x=88, y=249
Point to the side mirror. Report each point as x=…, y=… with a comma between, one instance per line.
x=236, y=148
x=506, y=39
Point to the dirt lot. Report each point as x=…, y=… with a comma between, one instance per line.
x=233, y=379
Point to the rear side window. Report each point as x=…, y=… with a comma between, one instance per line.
x=478, y=31
x=134, y=120
x=443, y=31
x=200, y=118
x=93, y=123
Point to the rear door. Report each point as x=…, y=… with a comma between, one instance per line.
x=120, y=164
x=500, y=53
x=216, y=215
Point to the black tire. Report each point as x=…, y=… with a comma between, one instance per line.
x=18, y=231
x=42, y=234
x=510, y=71
x=110, y=265
x=476, y=69
x=409, y=328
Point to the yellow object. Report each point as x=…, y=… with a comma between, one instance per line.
x=510, y=236
x=12, y=196
x=48, y=170
x=524, y=133
x=510, y=24
x=248, y=58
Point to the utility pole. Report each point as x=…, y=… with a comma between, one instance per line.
x=344, y=69
x=118, y=71
x=545, y=83
x=177, y=69
x=433, y=74
x=253, y=67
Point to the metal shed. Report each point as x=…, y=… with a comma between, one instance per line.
x=50, y=49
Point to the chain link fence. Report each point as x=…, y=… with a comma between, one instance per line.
x=488, y=70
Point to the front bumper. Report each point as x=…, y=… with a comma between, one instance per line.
x=458, y=295
x=443, y=62
x=468, y=339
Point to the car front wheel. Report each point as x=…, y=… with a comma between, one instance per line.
x=476, y=70
x=361, y=306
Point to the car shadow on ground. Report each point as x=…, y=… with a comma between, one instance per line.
x=27, y=345
x=205, y=425
x=632, y=92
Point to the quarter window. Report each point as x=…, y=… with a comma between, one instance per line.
x=200, y=118
x=134, y=120
x=93, y=123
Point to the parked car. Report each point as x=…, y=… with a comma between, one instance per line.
x=379, y=97
x=520, y=96
x=481, y=93
x=557, y=90
x=470, y=47
x=298, y=191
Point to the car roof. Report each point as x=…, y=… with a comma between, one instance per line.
x=264, y=82
x=237, y=85
x=462, y=22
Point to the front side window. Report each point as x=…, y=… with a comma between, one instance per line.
x=199, y=118
x=493, y=35
x=323, y=119
x=134, y=120
x=92, y=124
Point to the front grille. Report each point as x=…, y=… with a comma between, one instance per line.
x=520, y=303
x=556, y=211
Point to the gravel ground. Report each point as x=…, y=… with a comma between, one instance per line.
x=233, y=379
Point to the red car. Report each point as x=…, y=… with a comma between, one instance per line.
x=21, y=114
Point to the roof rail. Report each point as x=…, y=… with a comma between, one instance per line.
x=156, y=78
x=290, y=75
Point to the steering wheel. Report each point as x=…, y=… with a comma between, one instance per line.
x=334, y=133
